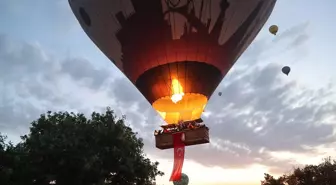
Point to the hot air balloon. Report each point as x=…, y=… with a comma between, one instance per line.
x=184, y=180
x=286, y=70
x=175, y=52
x=273, y=29
x=219, y=93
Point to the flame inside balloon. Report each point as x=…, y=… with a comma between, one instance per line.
x=177, y=90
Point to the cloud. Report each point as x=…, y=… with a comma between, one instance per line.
x=60, y=19
x=33, y=82
x=293, y=32
x=125, y=93
x=81, y=69
x=260, y=111
x=272, y=116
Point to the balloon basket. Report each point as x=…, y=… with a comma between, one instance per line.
x=192, y=137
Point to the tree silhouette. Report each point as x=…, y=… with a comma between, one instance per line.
x=71, y=149
x=322, y=174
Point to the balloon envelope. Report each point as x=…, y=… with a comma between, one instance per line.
x=175, y=52
x=274, y=29
x=286, y=70
x=184, y=180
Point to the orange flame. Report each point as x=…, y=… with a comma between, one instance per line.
x=177, y=90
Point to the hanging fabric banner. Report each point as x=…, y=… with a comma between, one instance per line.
x=178, y=156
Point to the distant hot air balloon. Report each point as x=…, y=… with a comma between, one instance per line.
x=174, y=52
x=273, y=29
x=219, y=93
x=286, y=70
x=184, y=180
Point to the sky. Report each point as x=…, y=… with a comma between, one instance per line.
x=263, y=122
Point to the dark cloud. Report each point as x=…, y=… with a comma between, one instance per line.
x=125, y=93
x=81, y=69
x=299, y=40
x=33, y=82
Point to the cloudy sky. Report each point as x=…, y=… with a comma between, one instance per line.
x=264, y=121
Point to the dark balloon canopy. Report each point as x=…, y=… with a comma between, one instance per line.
x=175, y=52
x=286, y=70
x=220, y=94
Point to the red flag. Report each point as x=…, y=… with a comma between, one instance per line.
x=178, y=157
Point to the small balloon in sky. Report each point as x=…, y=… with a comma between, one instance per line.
x=219, y=93
x=184, y=180
x=286, y=70
x=273, y=29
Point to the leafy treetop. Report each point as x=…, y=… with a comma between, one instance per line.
x=71, y=149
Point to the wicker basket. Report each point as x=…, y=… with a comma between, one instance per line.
x=192, y=137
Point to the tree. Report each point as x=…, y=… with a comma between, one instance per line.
x=322, y=174
x=270, y=180
x=71, y=149
x=13, y=164
x=9, y=160
x=3, y=167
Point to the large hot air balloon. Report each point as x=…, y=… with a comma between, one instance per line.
x=175, y=52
